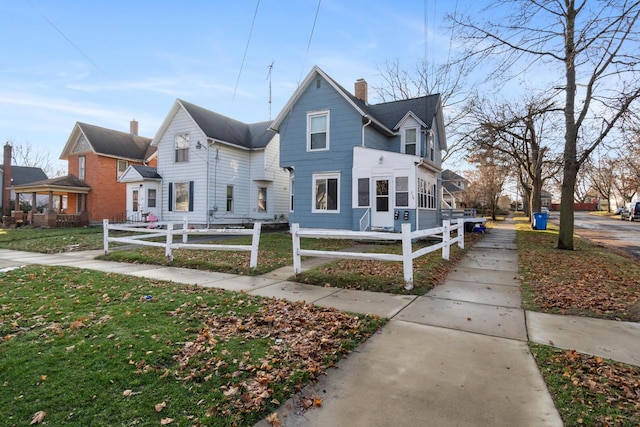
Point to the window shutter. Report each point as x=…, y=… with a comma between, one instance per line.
x=190, y=196
x=170, y=196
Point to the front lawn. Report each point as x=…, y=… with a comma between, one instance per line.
x=589, y=281
x=51, y=240
x=83, y=348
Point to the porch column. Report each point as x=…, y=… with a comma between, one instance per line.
x=50, y=215
x=60, y=203
x=50, y=204
x=84, y=215
x=16, y=205
x=33, y=207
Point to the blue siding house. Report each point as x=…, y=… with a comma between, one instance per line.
x=357, y=166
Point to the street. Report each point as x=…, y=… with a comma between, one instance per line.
x=608, y=231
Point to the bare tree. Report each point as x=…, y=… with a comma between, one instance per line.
x=448, y=80
x=601, y=177
x=487, y=181
x=25, y=154
x=518, y=130
x=591, y=45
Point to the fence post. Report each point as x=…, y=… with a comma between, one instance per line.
x=446, y=238
x=105, y=235
x=297, y=263
x=255, y=244
x=461, y=234
x=185, y=228
x=407, y=256
x=167, y=250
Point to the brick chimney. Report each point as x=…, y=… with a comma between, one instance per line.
x=361, y=90
x=6, y=181
x=134, y=127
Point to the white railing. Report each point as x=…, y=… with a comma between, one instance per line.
x=407, y=257
x=166, y=230
x=365, y=220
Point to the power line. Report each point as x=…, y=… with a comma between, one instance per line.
x=246, y=49
x=64, y=35
x=315, y=19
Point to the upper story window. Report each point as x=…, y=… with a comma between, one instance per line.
x=82, y=167
x=410, y=141
x=122, y=166
x=182, y=147
x=318, y=131
x=432, y=148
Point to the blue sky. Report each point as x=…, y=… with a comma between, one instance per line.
x=108, y=62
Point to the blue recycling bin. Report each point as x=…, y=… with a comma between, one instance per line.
x=540, y=220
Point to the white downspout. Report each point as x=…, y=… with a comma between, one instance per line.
x=364, y=126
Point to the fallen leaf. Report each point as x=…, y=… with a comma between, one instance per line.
x=166, y=421
x=127, y=393
x=273, y=419
x=160, y=406
x=38, y=417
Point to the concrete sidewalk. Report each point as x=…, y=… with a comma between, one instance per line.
x=457, y=356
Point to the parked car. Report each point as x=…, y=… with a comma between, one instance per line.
x=618, y=211
x=631, y=211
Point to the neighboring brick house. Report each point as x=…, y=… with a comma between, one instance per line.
x=98, y=156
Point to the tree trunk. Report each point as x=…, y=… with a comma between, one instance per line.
x=565, y=235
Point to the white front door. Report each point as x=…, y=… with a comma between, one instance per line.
x=382, y=214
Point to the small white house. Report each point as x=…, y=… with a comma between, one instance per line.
x=212, y=170
x=144, y=187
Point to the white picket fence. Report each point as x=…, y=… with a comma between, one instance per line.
x=407, y=236
x=167, y=230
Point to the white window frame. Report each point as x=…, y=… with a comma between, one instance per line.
x=292, y=180
x=416, y=143
x=82, y=167
x=229, y=204
x=152, y=201
x=368, y=192
x=262, y=199
x=315, y=114
x=181, y=145
x=397, y=191
x=175, y=196
x=120, y=170
x=325, y=177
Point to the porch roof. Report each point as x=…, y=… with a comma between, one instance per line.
x=59, y=185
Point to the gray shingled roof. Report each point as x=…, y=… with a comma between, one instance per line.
x=449, y=175
x=225, y=129
x=147, y=171
x=390, y=113
x=111, y=142
x=64, y=181
x=26, y=175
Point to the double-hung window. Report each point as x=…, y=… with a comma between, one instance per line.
x=82, y=167
x=402, y=191
x=229, y=198
x=151, y=198
x=326, y=192
x=122, y=166
x=410, y=141
x=262, y=199
x=182, y=148
x=318, y=131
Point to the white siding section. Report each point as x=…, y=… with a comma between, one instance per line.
x=193, y=170
x=215, y=168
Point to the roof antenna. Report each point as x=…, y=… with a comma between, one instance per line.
x=270, y=67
